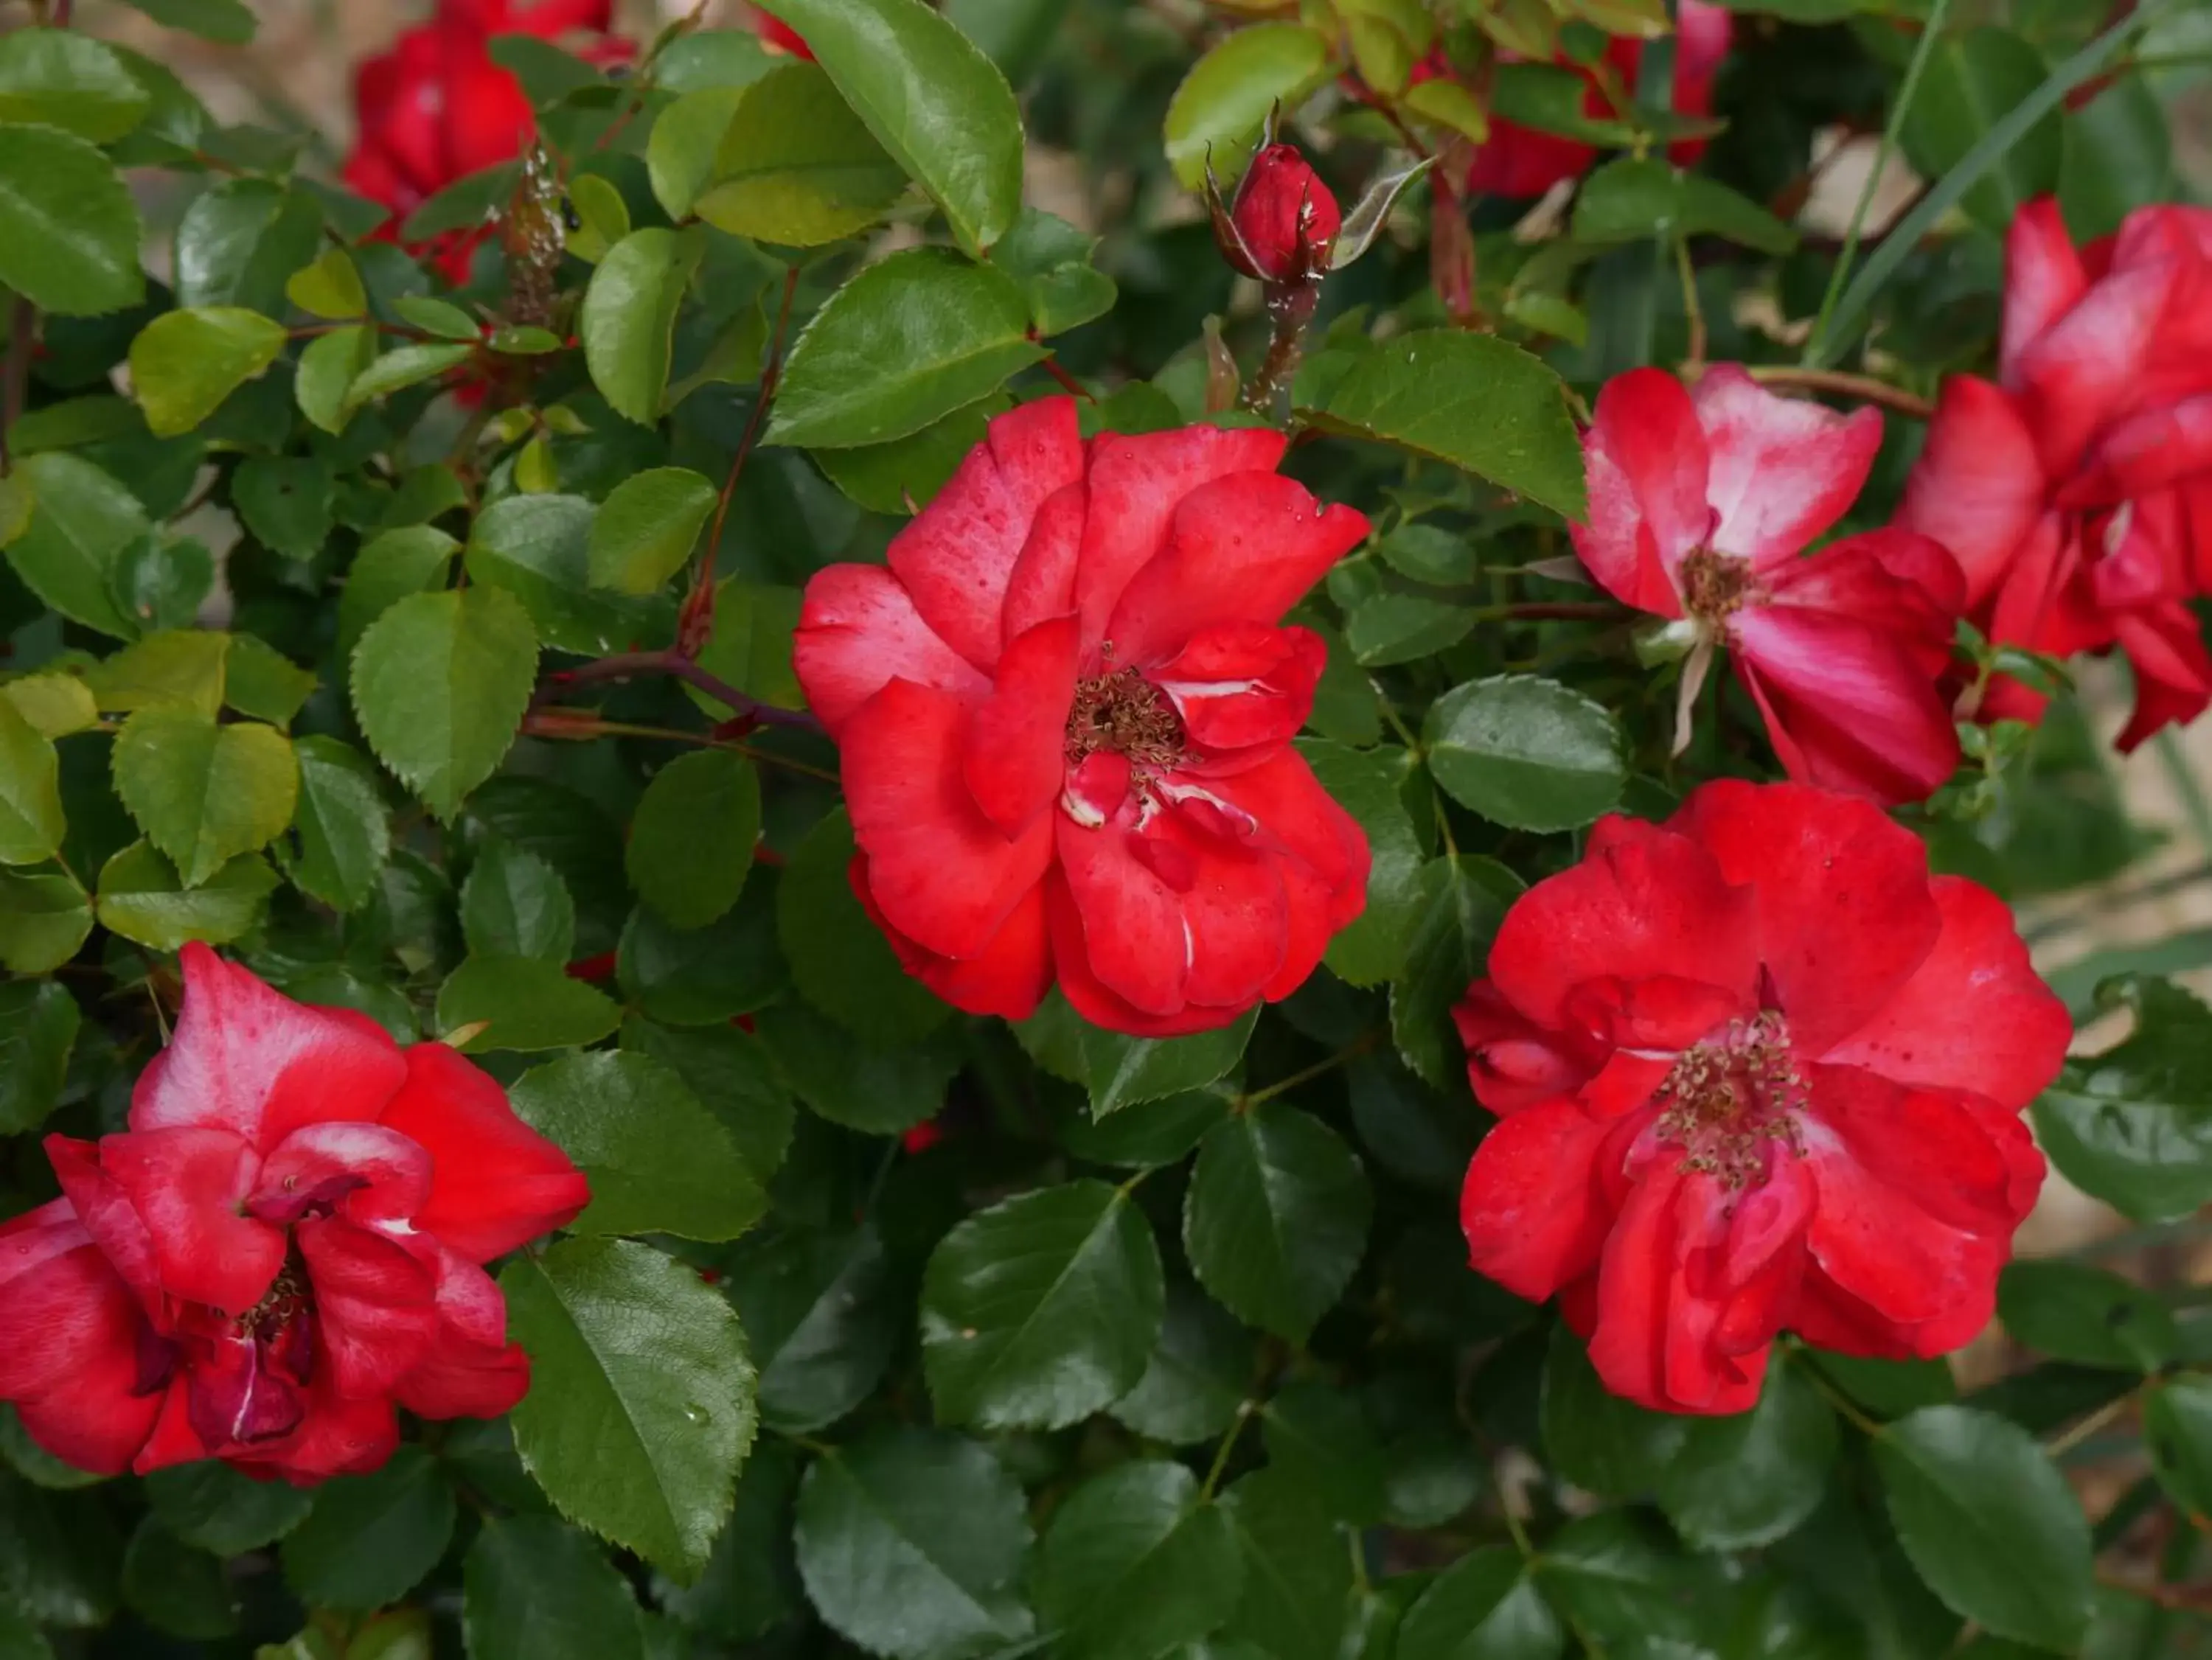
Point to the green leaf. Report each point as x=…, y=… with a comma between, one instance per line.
x=642, y=1408
x=1120, y=1071
x=175, y=1588
x=183, y=669
x=1525, y=752
x=1632, y=198
x=522, y=1002
x=55, y=704
x=629, y=318
x=1460, y=903
x=1134, y=1563
x=703, y=976
x=344, y=833
x=226, y=22
x=838, y=959
x=239, y=244
x=1197, y=1379
x=1042, y=1310
x=731, y=1074
x=205, y=793
x=260, y=681
x=1431, y=554
x=603, y=213
x=752, y=1585
x=1366, y=785
x=43, y=919
x=513, y=904
x=691, y=840
x=468, y=202
x=82, y=521
x=1225, y=99
x=824, y=1319
x=797, y=166
x=851, y=1081
x=2072, y=1312
x=329, y=286
x=1387, y=629
x=286, y=502
x=1467, y=399
x=2178, y=1436
x=1481, y=1608
x=910, y=339
x=1989, y=1523
x=1742, y=1481
x=439, y=682
x=20, y=1639
x=646, y=527
x=1162, y=1133
x=537, y=1591
x=1971, y=81
x=658, y=1162
x=2133, y=1126
x=69, y=229
x=397, y=369
x=686, y=138
x=938, y=106
x=1320, y=1437
x=1297, y=1573
x=59, y=78
x=210, y=1504
x=912, y=1544
x=1597, y=1440
x=370, y=1539
x=184, y=363
x=37, y=1029
x=1276, y=1219
x=31, y=821
x=904, y=475
x=142, y=900
x=388, y=569
x=327, y=372
x=440, y=317
x=712, y=57
x=1051, y=259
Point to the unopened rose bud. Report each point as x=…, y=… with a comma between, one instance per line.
x=1285, y=219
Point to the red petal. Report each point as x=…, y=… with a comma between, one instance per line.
x=2143, y=450
x=1243, y=686
x=857, y=629
x=469, y=1370
x=248, y=1059
x=1007, y=977
x=1840, y=893
x=1295, y=813
x=1017, y=740
x=1783, y=469
x=956, y=555
x=2173, y=672
x=487, y=116
x=2043, y=277
x=1645, y=903
x=375, y=1305
x=1240, y=549
x=1043, y=586
x=495, y=1182
x=107, y=1214
x=189, y=1187
x=2073, y=377
x=1136, y=483
x=1132, y=932
x=1648, y=464
x=1512, y=1063
x=1533, y=1212
x=1975, y=1015
x=1095, y=1001
x=69, y=1336
x=338, y=1437
x=942, y=872
x=367, y=1173
x=1978, y=486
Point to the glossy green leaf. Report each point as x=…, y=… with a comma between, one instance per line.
x=398, y=369
x=1198, y=1377
x=1042, y=1310
x=912, y=1544
x=2133, y=1125
x=1745, y=1481
x=656, y=1161
x=37, y=1029
x=388, y=569
x=522, y=1002
x=629, y=317
x=797, y=166
x=1460, y=903
x=344, y=833
x=1051, y=259
x=645, y=530
x=55, y=77
x=909, y=340
x=439, y=682
x=204, y=792
x=691, y=840
x=839, y=959
x=850, y=1081
x=642, y=1406
x=1526, y=752
x=239, y=242
x=2072, y=1312
x=69, y=229
x=370, y=1539
x=687, y=137
x=1366, y=785
x=43, y=919
x=142, y=899
x=31, y=824
x=823, y=1318
x=1135, y=1562
x=535, y=1590
x=327, y=370
x=1218, y=111
x=210, y=1504
x=184, y=363
x=1483, y=1607
x=940, y=108
x=1276, y=1219
x=82, y=520
x=513, y=904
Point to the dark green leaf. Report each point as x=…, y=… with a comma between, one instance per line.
x=82, y=522
x=522, y=1002
x=31, y=824
x=751, y=1583
x=820, y=1314
x=286, y=501
x=214, y=1506
x=370, y=1539
x=1971, y=81
x=1526, y=752
x=1051, y=259
x=239, y=244
x=1481, y=1608
x=629, y=317
x=2178, y=1435
x=1366, y=785
x=1386, y=629
x=691, y=841
x=58, y=1555
x=1461, y=901
x=440, y=682
x=938, y=105
x=1135, y=1562
x=1198, y=1377
x=1276, y=1219
x=2072, y=1311
x=1989, y=1522
x=1595, y=1439
x=226, y=22
x=513, y=904
x=1633, y=199
x=910, y=339
x=466, y=202
x=703, y=976
x=1042, y=1310
x=1297, y=1573
x=1321, y=1438
x=538, y=1589
x=69, y=229
x=912, y=1544
x=176, y=1588
x=904, y=475
x=851, y=1082
x=642, y=1406
x=839, y=959
x=1742, y=1481
x=38, y=1029
x=731, y=1073
x=658, y=1162
x=2133, y=1126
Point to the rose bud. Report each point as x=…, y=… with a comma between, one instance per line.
x=1284, y=220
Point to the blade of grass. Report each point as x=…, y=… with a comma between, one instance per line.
x=1906, y=235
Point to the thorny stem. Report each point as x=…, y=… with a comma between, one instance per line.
x=697, y=623
x=1843, y=384
x=1290, y=304
x=629, y=665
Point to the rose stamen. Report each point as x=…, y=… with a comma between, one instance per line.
x=1125, y=713
x=1716, y=584
x=1728, y=1099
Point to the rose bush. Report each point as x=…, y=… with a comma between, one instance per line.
x=786, y=795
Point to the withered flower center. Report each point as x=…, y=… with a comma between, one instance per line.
x=1715, y=583
x=1729, y=1100
x=1126, y=713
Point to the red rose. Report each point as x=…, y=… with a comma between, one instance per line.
x=2076, y=492
x=1521, y=161
x=1701, y=503
x=436, y=108
x=1756, y=1070
x=287, y=1242
x=1065, y=713
x=1285, y=219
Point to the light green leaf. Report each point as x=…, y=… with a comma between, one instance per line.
x=330, y=287
x=56, y=705
x=691, y=841
x=69, y=229
x=1275, y=1221
x=796, y=166
x=388, y=568
x=184, y=363
x=909, y=340
x=522, y=1002
x=31, y=821
x=687, y=137
x=643, y=1405
x=1223, y=102
x=646, y=529
x=177, y=668
x=43, y=919
x=260, y=681
x=205, y=793
x=629, y=317
x=1042, y=1310
x=942, y=109
x=1526, y=752
x=405, y=367
x=56, y=77
x=142, y=900
x=328, y=370
x=440, y=682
